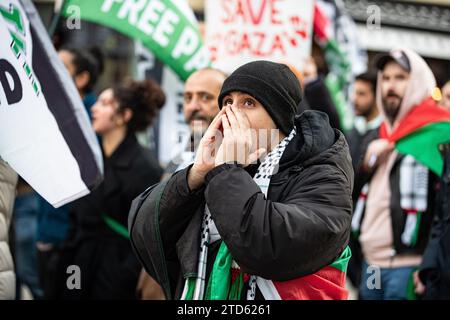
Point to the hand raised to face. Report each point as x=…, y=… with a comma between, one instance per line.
x=206, y=152
x=237, y=141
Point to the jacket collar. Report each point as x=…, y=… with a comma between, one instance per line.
x=314, y=135
x=315, y=142
x=125, y=152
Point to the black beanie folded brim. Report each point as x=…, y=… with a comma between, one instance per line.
x=271, y=84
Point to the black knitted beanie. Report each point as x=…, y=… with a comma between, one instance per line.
x=274, y=85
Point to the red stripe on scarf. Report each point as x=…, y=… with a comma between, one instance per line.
x=427, y=112
x=326, y=284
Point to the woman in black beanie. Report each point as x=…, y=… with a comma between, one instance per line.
x=264, y=212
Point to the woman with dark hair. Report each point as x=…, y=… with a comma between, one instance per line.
x=85, y=67
x=53, y=224
x=98, y=243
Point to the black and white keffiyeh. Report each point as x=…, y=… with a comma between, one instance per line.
x=413, y=184
x=209, y=233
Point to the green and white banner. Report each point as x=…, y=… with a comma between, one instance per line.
x=45, y=133
x=166, y=27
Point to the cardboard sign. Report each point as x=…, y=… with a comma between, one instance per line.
x=240, y=31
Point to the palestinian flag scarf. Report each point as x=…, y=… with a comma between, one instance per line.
x=227, y=280
x=418, y=136
x=420, y=133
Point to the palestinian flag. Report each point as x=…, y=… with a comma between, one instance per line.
x=421, y=132
x=45, y=133
x=326, y=284
x=330, y=280
x=167, y=28
x=336, y=33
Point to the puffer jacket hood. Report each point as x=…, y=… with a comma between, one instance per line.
x=8, y=180
x=317, y=142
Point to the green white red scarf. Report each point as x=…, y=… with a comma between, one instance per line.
x=421, y=132
x=226, y=281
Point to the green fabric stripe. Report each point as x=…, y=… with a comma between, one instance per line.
x=236, y=288
x=431, y=136
x=410, y=288
x=338, y=80
x=416, y=229
x=140, y=26
x=191, y=288
x=220, y=277
x=116, y=226
x=341, y=263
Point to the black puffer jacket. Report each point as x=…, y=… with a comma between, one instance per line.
x=302, y=226
x=435, y=267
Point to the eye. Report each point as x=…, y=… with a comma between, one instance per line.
x=206, y=97
x=104, y=102
x=249, y=103
x=187, y=98
x=227, y=102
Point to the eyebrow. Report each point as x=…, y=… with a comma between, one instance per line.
x=240, y=94
x=198, y=92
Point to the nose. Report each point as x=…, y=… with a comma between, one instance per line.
x=391, y=84
x=95, y=107
x=193, y=105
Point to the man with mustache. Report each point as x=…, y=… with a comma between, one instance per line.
x=393, y=214
x=201, y=91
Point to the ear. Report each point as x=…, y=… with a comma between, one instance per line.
x=127, y=114
x=82, y=79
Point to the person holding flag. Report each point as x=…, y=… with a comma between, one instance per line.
x=394, y=211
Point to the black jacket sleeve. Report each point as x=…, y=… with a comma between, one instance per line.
x=434, y=270
x=281, y=240
x=177, y=206
x=430, y=262
x=159, y=222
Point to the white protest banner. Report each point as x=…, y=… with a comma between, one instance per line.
x=239, y=31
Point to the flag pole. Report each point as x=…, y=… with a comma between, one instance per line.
x=59, y=5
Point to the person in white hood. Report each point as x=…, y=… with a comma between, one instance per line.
x=393, y=215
